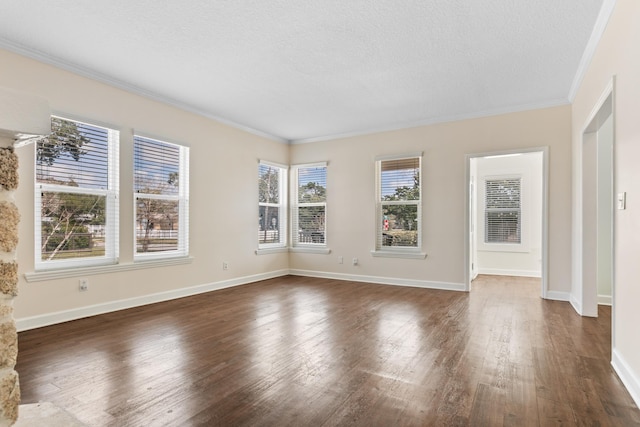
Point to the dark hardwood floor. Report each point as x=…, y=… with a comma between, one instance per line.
x=299, y=351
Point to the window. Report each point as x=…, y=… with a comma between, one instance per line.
x=309, y=205
x=76, y=196
x=161, y=197
x=502, y=214
x=272, y=199
x=399, y=203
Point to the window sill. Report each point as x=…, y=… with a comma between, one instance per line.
x=398, y=254
x=266, y=251
x=40, y=276
x=310, y=250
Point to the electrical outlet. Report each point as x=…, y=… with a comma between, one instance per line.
x=83, y=285
x=355, y=261
x=340, y=260
x=225, y=265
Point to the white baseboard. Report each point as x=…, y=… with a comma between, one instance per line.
x=629, y=378
x=604, y=299
x=577, y=305
x=558, y=296
x=505, y=272
x=26, y=323
x=381, y=280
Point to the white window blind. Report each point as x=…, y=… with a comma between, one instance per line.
x=76, y=203
x=272, y=203
x=309, y=205
x=503, y=210
x=161, y=191
x=399, y=203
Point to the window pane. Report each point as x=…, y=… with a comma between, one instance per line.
x=74, y=154
x=157, y=225
x=312, y=184
x=268, y=184
x=72, y=226
x=502, y=227
x=502, y=210
x=311, y=223
x=400, y=179
x=268, y=224
x=156, y=166
x=503, y=194
x=399, y=225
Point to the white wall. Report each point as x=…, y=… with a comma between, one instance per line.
x=513, y=260
x=351, y=196
x=223, y=199
x=617, y=55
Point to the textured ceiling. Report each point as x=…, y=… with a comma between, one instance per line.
x=313, y=69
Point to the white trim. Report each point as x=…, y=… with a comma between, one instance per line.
x=398, y=254
x=310, y=250
x=594, y=40
x=628, y=377
x=40, y=276
x=576, y=304
x=605, y=300
x=95, y=75
x=399, y=156
x=435, y=120
x=310, y=165
x=273, y=164
x=276, y=250
x=449, y=286
x=558, y=296
x=504, y=272
x=577, y=253
x=26, y=323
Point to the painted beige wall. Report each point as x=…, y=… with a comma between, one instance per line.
x=617, y=55
x=224, y=190
x=223, y=174
x=350, y=193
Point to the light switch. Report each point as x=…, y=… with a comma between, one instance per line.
x=622, y=201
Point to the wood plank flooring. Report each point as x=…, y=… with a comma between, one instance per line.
x=299, y=351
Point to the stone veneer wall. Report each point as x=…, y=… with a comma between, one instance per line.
x=9, y=217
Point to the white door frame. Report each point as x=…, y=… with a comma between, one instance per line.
x=585, y=301
x=545, y=211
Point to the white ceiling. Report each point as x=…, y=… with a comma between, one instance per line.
x=314, y=69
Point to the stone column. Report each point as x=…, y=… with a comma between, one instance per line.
x=9, y=217
x=22, y=117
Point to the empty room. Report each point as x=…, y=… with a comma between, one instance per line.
x=319, y=213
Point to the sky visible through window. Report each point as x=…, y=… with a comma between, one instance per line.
x=90, y=167
x=393, y=179
x=307, y=175
x=156, y=166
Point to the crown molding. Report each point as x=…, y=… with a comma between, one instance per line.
x=95, y=75
x=589, y=51
x=438, y=120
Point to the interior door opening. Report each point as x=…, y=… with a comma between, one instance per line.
x=597, y=207
x=506, y=215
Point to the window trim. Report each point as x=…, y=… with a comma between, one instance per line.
x=390, y=251
x=296, y=246
x=111, y=194
x=183, y=205
x=283, y=222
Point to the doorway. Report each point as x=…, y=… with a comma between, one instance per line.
x=594, y=269
x=506, y=214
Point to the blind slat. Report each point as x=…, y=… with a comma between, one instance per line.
x=503, y=210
